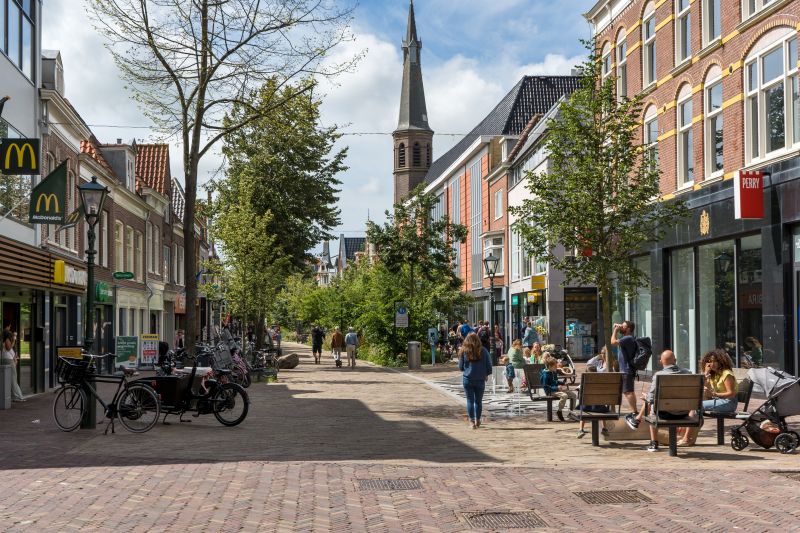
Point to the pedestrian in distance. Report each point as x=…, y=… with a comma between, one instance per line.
x=476, y=364
x=351, y=342
x=626, y=344
x=8, y=357
x=464, y=330
x=337, y=345
x=317, y=337
x=529, y=337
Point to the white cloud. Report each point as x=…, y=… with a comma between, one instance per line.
x=553, y=65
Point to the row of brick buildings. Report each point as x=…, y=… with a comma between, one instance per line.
x=140, y=230
x=720, y=82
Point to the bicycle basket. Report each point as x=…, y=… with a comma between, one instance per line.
x=71, y=370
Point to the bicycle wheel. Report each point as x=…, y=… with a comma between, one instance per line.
x=68, y=407
x=138, y=408
x=231, y=404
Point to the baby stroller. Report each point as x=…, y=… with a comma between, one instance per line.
x=767, y=425
x=567, y=373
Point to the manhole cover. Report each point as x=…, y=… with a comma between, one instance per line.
x=598, y=497
x=791, y=474
x=500, y=519
x=389, y=484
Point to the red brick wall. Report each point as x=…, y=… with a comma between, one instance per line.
x=738, y=37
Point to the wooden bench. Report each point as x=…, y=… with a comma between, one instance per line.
x=677, y=393
x=534, y=381
x=600, y=388
x=743, y=394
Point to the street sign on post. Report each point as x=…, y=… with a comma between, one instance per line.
x=122, y=275
x=401, y=317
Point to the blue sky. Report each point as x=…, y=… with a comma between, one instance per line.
x=474, y=51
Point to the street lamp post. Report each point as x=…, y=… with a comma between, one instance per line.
x=93, y=196
x=490, y=263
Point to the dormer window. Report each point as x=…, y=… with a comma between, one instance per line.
x=130, y=175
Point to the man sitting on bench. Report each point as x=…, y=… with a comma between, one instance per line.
x=670, y=366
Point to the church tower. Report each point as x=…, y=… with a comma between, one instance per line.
x=413, y=138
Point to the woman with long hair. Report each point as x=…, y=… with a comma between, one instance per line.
x=720, y=388
x=476, y=364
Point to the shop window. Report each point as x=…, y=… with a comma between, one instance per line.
x=649, y=46
x=683, y=31
x=18, y=38
x=622, y=66
x=716, y=269
x=641, y=309
x=713, y=126
x=750, y=296
x=682, y=305
x=772, y=105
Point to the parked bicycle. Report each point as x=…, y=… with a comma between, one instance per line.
x=135, y=404
x=196, y=390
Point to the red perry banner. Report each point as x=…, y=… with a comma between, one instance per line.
x=748, y=194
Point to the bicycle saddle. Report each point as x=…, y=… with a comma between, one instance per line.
x=224, y=371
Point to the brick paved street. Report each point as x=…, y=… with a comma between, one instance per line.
x=296, y=463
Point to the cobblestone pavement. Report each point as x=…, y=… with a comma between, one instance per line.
x=298, y=461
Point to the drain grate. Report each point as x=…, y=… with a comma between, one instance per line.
x=791, y=474
x=389, y=484
x=600, y=497
x=500, y=519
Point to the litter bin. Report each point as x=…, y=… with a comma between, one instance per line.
x=414, y=355
x=5, y=387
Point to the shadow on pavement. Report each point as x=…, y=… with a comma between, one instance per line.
x=283, y=425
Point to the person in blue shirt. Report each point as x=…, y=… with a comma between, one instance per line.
x=626, y=351
x=476, y=364
x=549, y=379
x=465, y=329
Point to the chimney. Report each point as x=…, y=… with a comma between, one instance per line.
x=119, y=141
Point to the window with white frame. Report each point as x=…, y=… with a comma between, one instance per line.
x=683, y=31
x=476, y=221
x=181, y=272
x=622, y=66
x=514, y=253
x=455, y=193
x=119, y=250
x=712, y=24
x=649, y=46
x=605, y=61
x=651, y=134
x=494, y=246
x=174, y=267
x=149, y=231
x=751, y=7
x=713, y=145
x=772, y=113
x=165, y=258
x=685, y=137
x=156, y=250
x=102, y=238
x=498, y=204
x=139, y=256
x=129, y=245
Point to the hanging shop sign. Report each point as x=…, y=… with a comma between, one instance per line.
x=748, y=194
x=515, y=299
x=538, y=282
x=19, y=157
x=49, y=198
x=64, y=274
x=103, y=292
x=180, y=303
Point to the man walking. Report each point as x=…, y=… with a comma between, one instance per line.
x=351, y=341
x=626, y=353
x=670, y=366
x=317, y=336
x=529, y=336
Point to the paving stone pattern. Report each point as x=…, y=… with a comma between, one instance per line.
x=316, y=445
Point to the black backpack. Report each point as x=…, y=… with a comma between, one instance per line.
x=644, y=350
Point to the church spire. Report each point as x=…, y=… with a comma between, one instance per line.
x=413, y=112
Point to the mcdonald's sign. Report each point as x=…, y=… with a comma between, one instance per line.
x=19, y=157
x=48, y=199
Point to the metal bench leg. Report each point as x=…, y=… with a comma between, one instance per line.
x=720, y=431
x=571, y=404
x=549, y=410
x=673, y=441
x=595, y=433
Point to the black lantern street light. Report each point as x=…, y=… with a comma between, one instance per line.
x=490, y=263
x=93, y=195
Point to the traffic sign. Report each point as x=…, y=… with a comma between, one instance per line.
x=401, y=317
x=122, y=275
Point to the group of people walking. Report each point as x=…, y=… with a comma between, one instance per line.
x=339, y=343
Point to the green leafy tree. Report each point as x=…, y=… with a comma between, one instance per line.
x=289, y=158
x=601, y=194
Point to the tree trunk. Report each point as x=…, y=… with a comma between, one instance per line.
x=605, y=300
x=190, y=258
x=260, y=331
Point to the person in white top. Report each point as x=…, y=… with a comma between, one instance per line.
x=8, y=357
x=599, y=361
x=351, y=342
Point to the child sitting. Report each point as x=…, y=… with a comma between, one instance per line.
x=591, y=409
x=549, y=378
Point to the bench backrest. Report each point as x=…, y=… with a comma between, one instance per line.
x=744, y=392
x=533, y=375
x=601, y=388
x=679, y=392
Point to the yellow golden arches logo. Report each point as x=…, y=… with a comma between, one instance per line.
x=20, y=152
x=47, y=199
